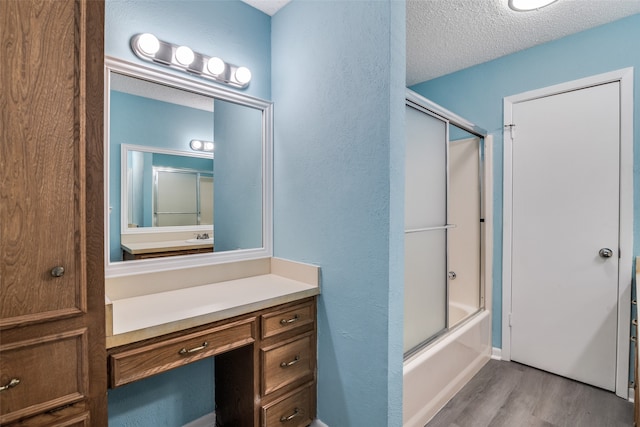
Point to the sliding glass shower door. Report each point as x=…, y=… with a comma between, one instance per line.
x=426, y=182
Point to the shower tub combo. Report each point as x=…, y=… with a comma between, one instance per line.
x=447, y=333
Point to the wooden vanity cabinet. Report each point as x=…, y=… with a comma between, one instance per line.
x=288, y=361
x=52, y=338
x=128, y=256
x=265, y=364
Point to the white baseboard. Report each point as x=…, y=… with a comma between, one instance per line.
x=496, y=353
x=208, y=420
x=317, y=423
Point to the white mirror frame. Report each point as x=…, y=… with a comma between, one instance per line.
x=125, y=268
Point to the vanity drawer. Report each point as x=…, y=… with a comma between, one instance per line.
x=295, y=409
x=287, y=319
x=59, y=418
x=43, y=374
x=287, y=362
x=147, y=360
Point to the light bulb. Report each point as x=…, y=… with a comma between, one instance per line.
x=148, y=43
x=216, y=66
x=525, y=5
x=208, y=146
x=243, y=75
x=196, y=145
x=184, y=55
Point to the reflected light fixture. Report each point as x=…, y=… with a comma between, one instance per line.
x=147, y=46
x=527, y=5
x=198, y=145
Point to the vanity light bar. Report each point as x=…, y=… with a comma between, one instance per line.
x=198, y=145
x=147, y=46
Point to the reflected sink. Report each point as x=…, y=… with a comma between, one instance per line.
x=203, y=241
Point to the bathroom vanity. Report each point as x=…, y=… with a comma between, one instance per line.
x=257, y=318
x=133, y=251
x=172, y=300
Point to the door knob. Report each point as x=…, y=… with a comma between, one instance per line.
x=605, y=253
x=452, y=275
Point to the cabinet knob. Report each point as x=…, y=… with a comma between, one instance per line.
x=57, y=271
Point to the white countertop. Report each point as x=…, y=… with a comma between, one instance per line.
x=139, y=317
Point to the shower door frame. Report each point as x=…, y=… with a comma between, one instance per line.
x=424, y=105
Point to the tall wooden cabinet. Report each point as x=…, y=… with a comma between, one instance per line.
x=52, y=339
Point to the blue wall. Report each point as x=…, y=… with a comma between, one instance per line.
x=338, y=91
x=174, y=126
x=477, y=93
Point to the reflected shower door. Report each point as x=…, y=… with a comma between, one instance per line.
x=425, y=292
x=176, y=199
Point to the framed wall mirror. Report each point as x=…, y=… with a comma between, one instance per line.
x=188, y=170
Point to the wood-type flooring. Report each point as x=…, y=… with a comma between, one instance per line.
x=508, y=394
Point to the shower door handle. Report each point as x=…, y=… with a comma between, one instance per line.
x=452, y=275
x=605, y=253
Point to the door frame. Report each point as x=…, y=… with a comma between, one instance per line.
x=625, y=261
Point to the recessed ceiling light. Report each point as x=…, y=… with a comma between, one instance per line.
x=526, y=5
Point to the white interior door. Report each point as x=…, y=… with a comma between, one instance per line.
x=565, y=209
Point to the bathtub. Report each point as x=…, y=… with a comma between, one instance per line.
x=436, y=373
x=458, y=312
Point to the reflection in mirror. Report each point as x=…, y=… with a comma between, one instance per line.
x=166, y=188
x=162, y=193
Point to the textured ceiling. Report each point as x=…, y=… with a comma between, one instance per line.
x=444, y=36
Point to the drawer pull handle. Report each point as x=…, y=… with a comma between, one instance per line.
x=193, y=350
x=286, y=322
x=14, y=382
x=293, y=362
x=296, y=412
